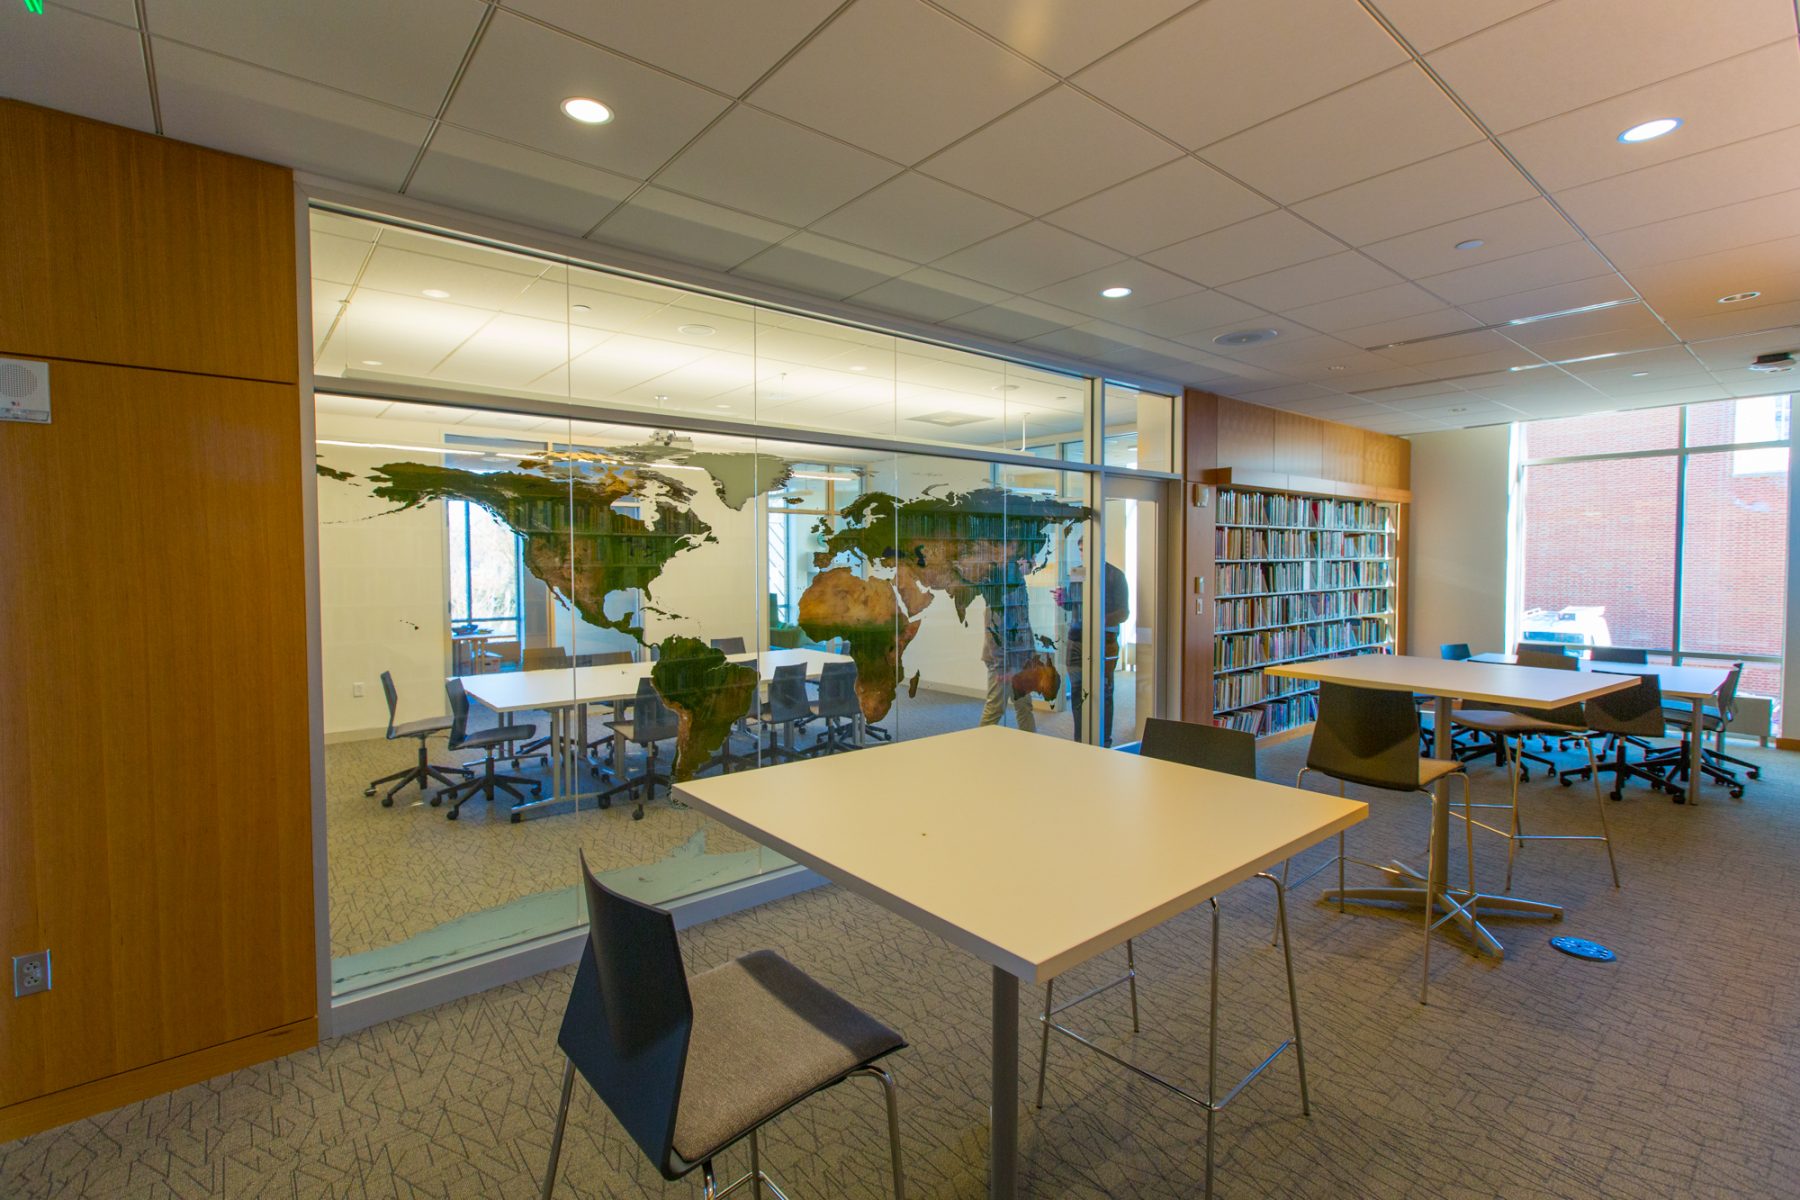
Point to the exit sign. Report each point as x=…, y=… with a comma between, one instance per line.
x=36, y=6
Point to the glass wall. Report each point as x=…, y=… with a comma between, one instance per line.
x=1666, y=529
x=754, y=554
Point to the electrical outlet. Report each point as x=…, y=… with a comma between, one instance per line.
x=31, y=973
x=356, y=689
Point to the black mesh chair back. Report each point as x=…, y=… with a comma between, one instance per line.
x=1366, y=736
x=731, y=645
x=1231, y=751
x=787, y=694
x=1455, y=651
x=651, y=719
x=459, y=712
x=1635, y=711
x=393, y=701
x=1538, y=648
x=1619, y=654
x=630, y=1017
x=837, y=691
x=603, y=658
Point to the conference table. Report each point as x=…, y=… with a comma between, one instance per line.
x=564, y=694
x=1696, y=685
x=1447, y=681
x=1033, y=854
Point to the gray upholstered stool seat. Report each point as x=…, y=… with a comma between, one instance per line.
x=765, y=1035
x=1433, y=769
x=429, y=725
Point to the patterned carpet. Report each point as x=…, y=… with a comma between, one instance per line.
x=1674, y=1072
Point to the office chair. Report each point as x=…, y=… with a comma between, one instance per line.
x=603, y=658
x=1459, y=738
x=1529, y=655
x=1618, y=654
x=839, y=708
x=692, y=1066
x=730, y=645
x=496, y=742
x=1455, y=651
x=1712, y=722
x=1524, y=648
x=423, y=771
x=651, y=722
x=1632, y=716
x=1230, y=752
x=545, y=658
x=1370, y=737
x=1510, y=727
x=783, y=711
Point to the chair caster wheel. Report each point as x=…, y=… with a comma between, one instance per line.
x=515, y=764
x=538, y=791
x=451, y=815
x=387, y=802
x=606, y=802
x=1756, y=772
x=437, y=801
x=368, y=791
x=1737, y=793
x=1566, y=782
x=517, y=817
x=1678, y=796
x=1524, y=774
x=1616, y=796
x=638, y=813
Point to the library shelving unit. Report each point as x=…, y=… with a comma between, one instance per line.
x=1296, y=577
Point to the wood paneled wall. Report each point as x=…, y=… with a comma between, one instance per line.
x=155, y=797
x=1235, y=443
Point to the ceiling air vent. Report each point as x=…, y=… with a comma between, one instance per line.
x=1246, y=337
x=948, y=418
x=1773, y=364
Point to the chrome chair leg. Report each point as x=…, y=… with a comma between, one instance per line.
x=1131, y=982
x=1287, y=953
x=1044, y=1045
x=1212, y=1050
x=892, y=1093
x=1605, y=828
x=562, y=1120
x=1430, y=911
x=1512, y=841
x=756, y=1178
x=709, y=1189
x=1469, y=837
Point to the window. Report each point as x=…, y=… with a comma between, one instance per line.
x=484, y=570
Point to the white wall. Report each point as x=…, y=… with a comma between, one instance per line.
x=1461, y=494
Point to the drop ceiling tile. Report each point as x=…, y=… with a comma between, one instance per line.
x=119, y=12
x=916, y=217
x=1028, y=258
x=247, y=110
x=1225, y=65
x=1401, y=329
x=469, y=171
x=742, y=39
x=1769, y=320
x=1254, y=247
x=1456, y=370
x=409, y=274
x=858, y=80
x=1534, y=302
x=1504, y=232
x=772, y=168
x=1474, y=179
x=1725, y=355
x=1055, y=150
x=1291, y=349
x=1758, y=166
x=1394, y=119
x=336, y=259
x=1748, y=223
x=1430, y=24
x=1562, y=56
x=1064, y=35
x=1441, y=393
x=1645, y=371
x=35, y=53
x=1603, y=347
x=1356, y=382
x=1522, y=272
x=822, y=267
x=1182, y=200
x=1308, y=283
x=689, y=230
x=1741, y=97
x=930, y=295
x=1187, y=314
x=1091, y=340
x=1425, y=355
x=403, y=53
x=1149, y=286
x=1016, y=319
x=1628, y=323
x=522, y=72
x=1691, y=287
x=1365, y=308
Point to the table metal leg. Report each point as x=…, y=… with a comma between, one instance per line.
x=1696, y=753
x=1003, y=1136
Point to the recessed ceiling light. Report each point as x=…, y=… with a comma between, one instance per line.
x=1246, y=337
x=1651, y=129
x=859, y=368
x=1639, y=374
x=1006, y=387
x=1115, y=293
x=436, y=293
x=588, y=112
x=581, y=308
x=371, y=362
x=1471, y=244
x=696, y=330
x=1336, y=368
x=1735, y=297
x=1458, y=410
x=661, y=399
x=721, y=406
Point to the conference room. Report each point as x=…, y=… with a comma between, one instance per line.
x=1175, y=621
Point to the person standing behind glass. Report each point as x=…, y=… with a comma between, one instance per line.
x=1006, y=649
x=1115, y=594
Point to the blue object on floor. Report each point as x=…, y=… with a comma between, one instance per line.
x=1582, y=948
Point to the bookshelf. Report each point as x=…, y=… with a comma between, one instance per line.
x=1295, y=577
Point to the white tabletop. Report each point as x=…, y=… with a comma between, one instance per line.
x=559, y=687
x=1687, y=683
x=1460, y=679
x=1032, y=853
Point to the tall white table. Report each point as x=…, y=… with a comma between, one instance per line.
x=1032, y=853
x=1448, y=680
x=563, y=693
x=1696, y=685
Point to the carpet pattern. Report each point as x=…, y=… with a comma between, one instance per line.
x=1674, y=1072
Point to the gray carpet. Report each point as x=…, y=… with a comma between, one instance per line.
x=1672, y=1072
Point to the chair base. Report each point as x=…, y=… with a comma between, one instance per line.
x=1406, y=886
x=421, y=773
x=486, y=785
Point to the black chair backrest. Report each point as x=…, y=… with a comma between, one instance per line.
x=837, y=690
x=1232, y=751
x=1636, y=710
x=603, y=658
x=1366, y=736
x=1538, y=648
x=1619, y=654
x=732, y=645
x=651, y=719
x=629, y=1018
x=1456, y=651
x=1547, y=660
x=545, y=658
x=459, y=711
x=1728, y=691
x=1566, y=714
x=393, y=699
x=787, y=693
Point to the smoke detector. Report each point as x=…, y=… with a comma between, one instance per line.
x=1773, y=364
